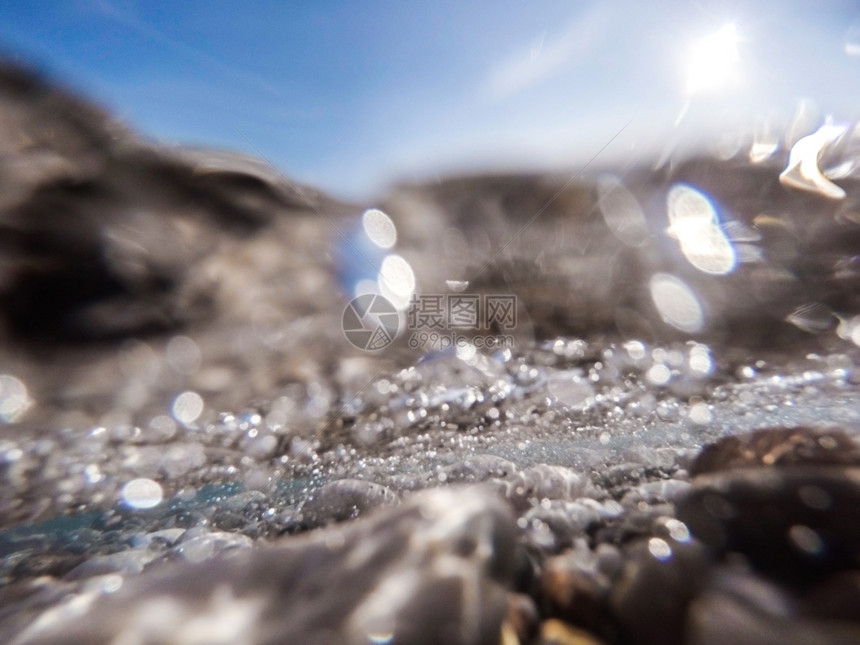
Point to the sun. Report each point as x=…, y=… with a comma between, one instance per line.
x=714, y=62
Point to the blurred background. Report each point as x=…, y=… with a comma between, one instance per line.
x=352, y=96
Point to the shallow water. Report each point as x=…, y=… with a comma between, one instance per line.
x=205, y=383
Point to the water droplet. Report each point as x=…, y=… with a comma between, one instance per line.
x=805, y=539
x=457, y=285
x=14, y=399
x=183, y=354
x=659, y=548
x=570, y=389
x=700, y=359
x=700, y=413
x=187, y=407
x=635, y=349
x=379, y=228
x=678, y=531
x=677, y=304
x=815, y=497
x=659, y=374
x=142, y=493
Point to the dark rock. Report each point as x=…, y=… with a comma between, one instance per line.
x=837, y=597
x=650, y=598
x=791, y=522
x=107, y=238
x=553, y=525
x=102, y=230
x=738, y=607
x=522, y=618
x=434, y=570
x=46, y=564
x=574, y=590
x=778, y=447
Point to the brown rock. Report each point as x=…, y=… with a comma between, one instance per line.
x=793, y=523
x=778, y=447
x=555, y=632
x=572, y=593
x=522, y=618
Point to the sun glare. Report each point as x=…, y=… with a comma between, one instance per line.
x=713, y=61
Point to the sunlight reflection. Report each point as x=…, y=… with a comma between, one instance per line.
x=802, y=170
x=621, y=211
x=379, y=228
x=14, y=399
x=396, y=281
x=694, y=222
x=676, y=303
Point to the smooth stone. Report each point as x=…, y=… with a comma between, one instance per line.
x=837, y=597
x=553, y=525
x=344, y=499
x=126, y=562
x=661, y=576
x=530, y=486
x=573, y=589
x=738, y=607
x=433, y=570
x=197, y=547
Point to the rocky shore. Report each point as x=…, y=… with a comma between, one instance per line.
x=191, y=451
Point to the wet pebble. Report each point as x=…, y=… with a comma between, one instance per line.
x=344, y=499
x=522, y=617
x=45, y=564
x=837, y=597
x=479, y=468
x=125, y=563
x=552, y=525
x=785, y=498
x=778, y=447
x=530, y=486
x=198, y=544
x=792, y=522
x=434, y=570
x=738, y=607
x=575, y=590
x=655, y=492
x=660, y=577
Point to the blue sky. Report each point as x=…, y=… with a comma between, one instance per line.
x=352, y=95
